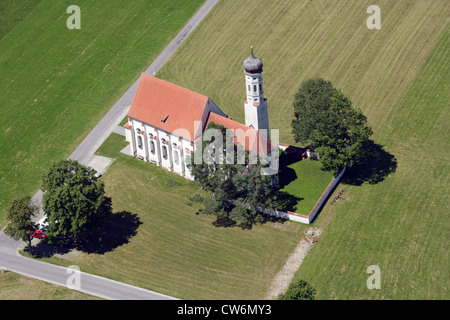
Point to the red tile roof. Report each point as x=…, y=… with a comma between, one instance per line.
x=167, y=106
x=249, y=138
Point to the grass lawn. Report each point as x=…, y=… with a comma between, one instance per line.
x=160, y=243
x=398, y=76
x=303, y=179
x=17, y=287
x=12, y=12
x=402, y=223
x=57, y=83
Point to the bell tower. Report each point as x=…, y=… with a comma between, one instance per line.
x=256, y=113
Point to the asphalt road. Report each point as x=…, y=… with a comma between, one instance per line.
x=76, y=279
x=95, y=285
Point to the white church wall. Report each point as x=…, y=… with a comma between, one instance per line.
x=165, y=150
x=176, y=155
x=263, y=116
x=153, y=145
x=129, y=138
x=251, y=115
x=160, y=148
x=188, y=149
x=138, y=131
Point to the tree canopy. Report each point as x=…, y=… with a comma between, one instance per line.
x=20, y=213
x=237, y=188
x=74, y=200
x=300, y=290
x=326, y=121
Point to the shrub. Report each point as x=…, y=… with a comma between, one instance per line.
x=300, y=290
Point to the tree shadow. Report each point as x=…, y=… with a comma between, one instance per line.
x=373, y=167
x=46, y=250
x=117, y=229
x=285, y=174
x=287, y=201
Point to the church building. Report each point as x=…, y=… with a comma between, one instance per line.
x=165, y=120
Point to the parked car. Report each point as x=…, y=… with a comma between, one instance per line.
x=38, y=234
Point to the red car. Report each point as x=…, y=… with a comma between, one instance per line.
x=38, y=234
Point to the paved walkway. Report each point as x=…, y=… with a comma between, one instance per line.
x=84, y=153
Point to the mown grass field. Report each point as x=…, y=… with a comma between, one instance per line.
x=12, y=12
x=159, y=242
x=401, y=224
x=57, y=83
x=17, y=287
x=398, y=76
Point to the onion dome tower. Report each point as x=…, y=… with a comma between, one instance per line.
x=256, y=113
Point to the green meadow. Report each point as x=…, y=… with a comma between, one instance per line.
x=401, y=224
x=157, y=240
x=57, y=83
x=394, y=210
x=17, y=287
x=12, y=12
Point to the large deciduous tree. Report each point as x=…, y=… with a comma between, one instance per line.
x=20, y=214
x=237, y=188
x=326, y=121
x=74, y=200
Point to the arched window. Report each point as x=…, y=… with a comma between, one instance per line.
x=140, y=145
x=176, y=157
x=164, y=152
x=152, y=147
x=254, y=88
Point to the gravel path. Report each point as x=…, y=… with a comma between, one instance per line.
x=285, y=276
